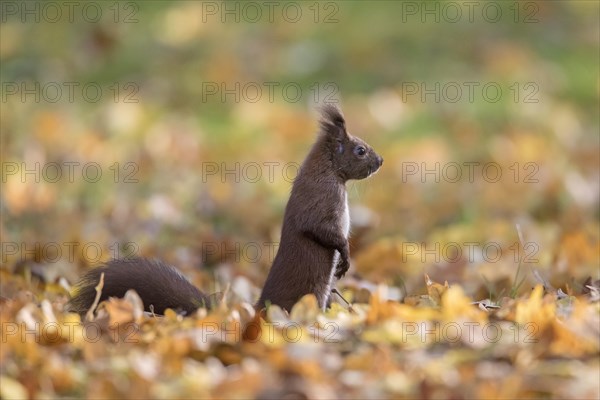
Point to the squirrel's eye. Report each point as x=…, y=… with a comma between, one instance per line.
x=360, y=151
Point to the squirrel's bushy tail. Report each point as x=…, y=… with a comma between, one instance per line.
x=160, y=286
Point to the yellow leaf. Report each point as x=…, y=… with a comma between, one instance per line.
x=457, y=306
x=435, y=290
x=306, y=309
x=534, y=310
x=12, y=389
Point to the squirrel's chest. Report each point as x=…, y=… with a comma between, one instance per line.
x=345, y=222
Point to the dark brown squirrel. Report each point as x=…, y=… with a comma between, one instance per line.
x=314, y=239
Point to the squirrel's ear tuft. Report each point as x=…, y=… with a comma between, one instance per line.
x=332, y=121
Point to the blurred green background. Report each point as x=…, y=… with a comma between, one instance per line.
x=186, y=86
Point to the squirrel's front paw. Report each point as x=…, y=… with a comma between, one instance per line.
x=341, y=268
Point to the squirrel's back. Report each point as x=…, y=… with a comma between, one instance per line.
x=159, y=285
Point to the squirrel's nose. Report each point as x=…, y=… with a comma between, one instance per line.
x=380, y=160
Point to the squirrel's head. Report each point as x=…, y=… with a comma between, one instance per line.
x=351, y=157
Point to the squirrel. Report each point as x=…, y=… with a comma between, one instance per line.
x=314, y=239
